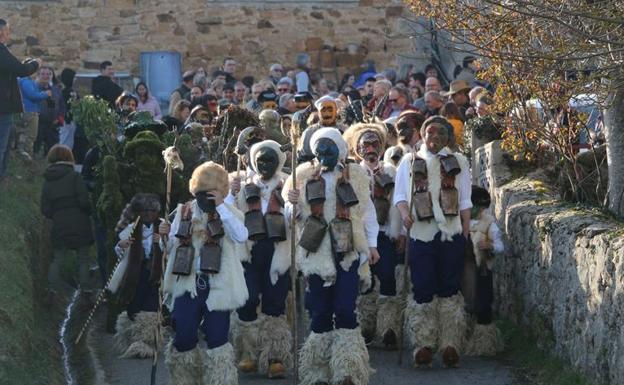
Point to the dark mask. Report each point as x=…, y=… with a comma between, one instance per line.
x=369, y=147
x=267, y=162
x=206, y=202
x=327, y=153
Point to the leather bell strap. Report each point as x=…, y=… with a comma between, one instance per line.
x=448, y=181
x=342, y=211
x=275, y=203
x=316, y=209
x=420, y=183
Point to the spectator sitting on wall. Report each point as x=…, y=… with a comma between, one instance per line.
x=229, y=68
x=104, y=87
x=182, y=91
x=147, y=102
x=275, y=73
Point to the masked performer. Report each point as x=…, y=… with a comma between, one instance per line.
x=408, y=126
x=204, y=280
x=263, y=342
x=485, y=236
x=337, y=232
x=438, y=227
x=137, y=277
x=379, y=314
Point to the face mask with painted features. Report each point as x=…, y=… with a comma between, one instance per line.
x=267, y=162
x=436, y=137
x=369, y=147
x=206, y=202
x=328, y=113
x=327, y=153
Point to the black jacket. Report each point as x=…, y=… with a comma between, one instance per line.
x=64, y=200
x=10, y=70
x=105, y=88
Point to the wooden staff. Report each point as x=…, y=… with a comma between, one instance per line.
x=294, y=137
x=172, y=161
x=404, y=291
x=103, y=291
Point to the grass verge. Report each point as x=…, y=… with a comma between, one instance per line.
x=539, y=366
x=29, y=353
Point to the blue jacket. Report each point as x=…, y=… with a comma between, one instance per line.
x=32, y=96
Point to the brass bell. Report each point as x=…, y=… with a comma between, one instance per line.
x=315, y=191
x=215, y=228
x=313, y=233
x=423, y=205
x=275, y=226
x=419, y=168
x=183, y=263
x=184, y=230
x=254, y=221
x=252, y=193
x=382, y=209
x=210, y=258
x=341, y=230
x=346, y=194
x=450, y=165
x=449, y=201
x=384, y=181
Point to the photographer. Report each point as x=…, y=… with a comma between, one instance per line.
x=10, y=97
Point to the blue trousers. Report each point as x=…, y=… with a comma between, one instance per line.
x=6, y=121
x=189, y=314
x=436, y=267
x=384, y=269
x=257, y=277
x=333, y=306
x=146, y=296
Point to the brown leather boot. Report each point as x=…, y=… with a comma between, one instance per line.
x=276, y=369
x=390, y=339
x=424, y=357
x=450, y=358
x=247, y=366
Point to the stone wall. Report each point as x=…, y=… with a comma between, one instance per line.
x=82, y=33
x=562, y=276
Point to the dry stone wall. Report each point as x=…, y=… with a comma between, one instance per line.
x=82, y=33
x=562, y=277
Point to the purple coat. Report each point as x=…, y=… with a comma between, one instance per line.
x=151, y=105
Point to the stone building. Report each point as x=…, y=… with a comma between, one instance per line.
x=339, y=35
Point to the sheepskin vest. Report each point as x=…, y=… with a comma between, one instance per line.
x=322, y=262
x=448, y=225
x=479, y=231
x=393, y=226
x=228, y=290
x=281, y=256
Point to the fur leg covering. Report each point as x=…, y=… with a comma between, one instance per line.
x=349, y=357
x=275, y=343
x=486, y=340
x=142, y=336
x=122, y=332
x=421, y=324
x=367, y=314
x=219, y=367
x=399, y=275
x=314, y=359
x=452, y=318
x=245, y=338
x=186, y=368
x=389, y=315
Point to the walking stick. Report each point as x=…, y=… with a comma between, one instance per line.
x=404, y=290
x=172, y=159
x=103, y=291
x=294, y=136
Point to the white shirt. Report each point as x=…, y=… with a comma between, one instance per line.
x=148, y=231
x=371, y=227
x=265, y=196
x=402, y=188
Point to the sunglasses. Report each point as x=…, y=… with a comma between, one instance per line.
x=282, y=89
